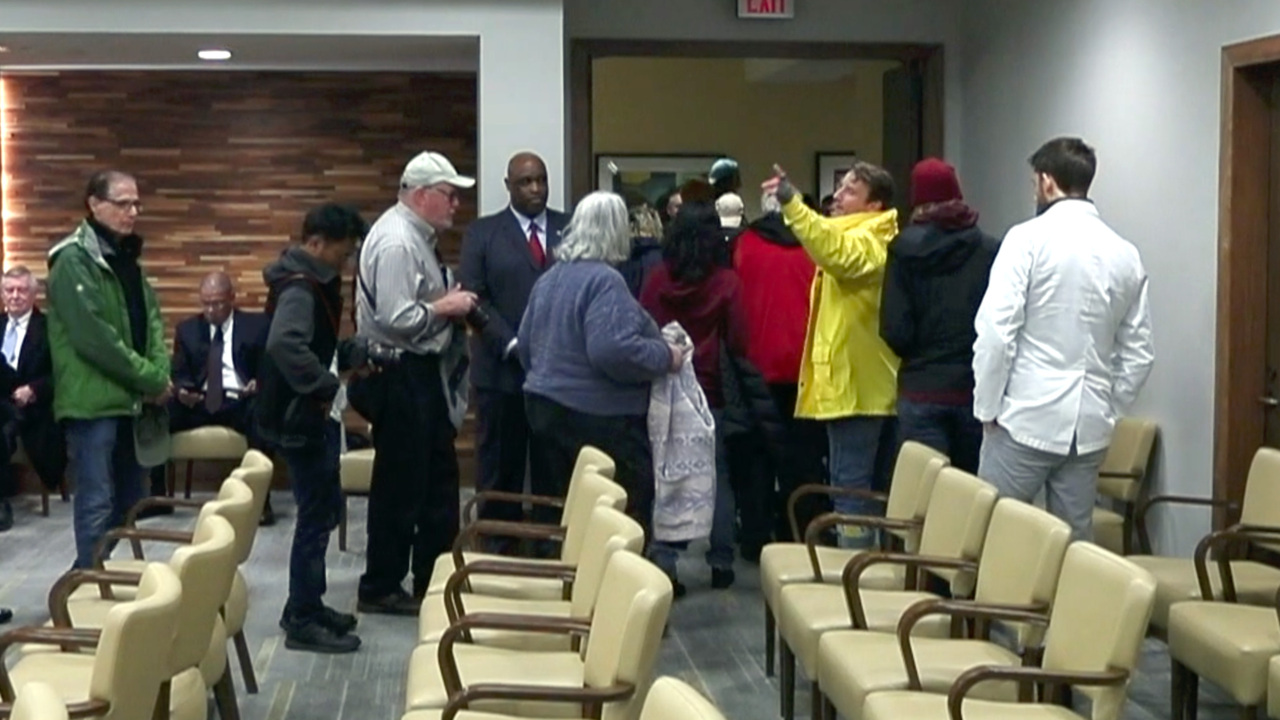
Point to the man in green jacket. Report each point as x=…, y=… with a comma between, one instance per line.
x=110, y=366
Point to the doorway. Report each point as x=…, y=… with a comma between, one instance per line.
x=912, y=94
x=1247, y=397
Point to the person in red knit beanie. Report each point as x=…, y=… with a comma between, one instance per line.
x=934, y=281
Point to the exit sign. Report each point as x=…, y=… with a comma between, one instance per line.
x=767, y=9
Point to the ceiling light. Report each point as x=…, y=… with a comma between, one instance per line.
x=214, y=54
x=4, y=48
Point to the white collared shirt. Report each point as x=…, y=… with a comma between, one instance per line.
x=540, y=222
x=230, y=379
x=1064, y=331
x=21, y=323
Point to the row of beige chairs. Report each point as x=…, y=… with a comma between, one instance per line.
x=573, y=637
x=182, y=664
x=877, y=644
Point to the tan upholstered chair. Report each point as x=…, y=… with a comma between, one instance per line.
x=1091, y=645
x=121, y=679
x=205, y=566
x=787, y=562
x=608, y=531
x=1229, y=644
x=668, y=699
x=1249, y=581
x=356, y=475
x=1273, y=688
x=614, y=671
x=38, y=701
x=1121, y=479
x=955, y=526
x=1019, y=568
x=590, y=489
x=206, y=443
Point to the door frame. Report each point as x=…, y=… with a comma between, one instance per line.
x=1248, y=71
x=584, y=51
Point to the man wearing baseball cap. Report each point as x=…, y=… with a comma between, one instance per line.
x=407, y=300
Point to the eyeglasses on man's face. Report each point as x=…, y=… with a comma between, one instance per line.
x=449, y=193
x=125, y=204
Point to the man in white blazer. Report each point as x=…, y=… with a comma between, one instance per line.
x=1063, y=342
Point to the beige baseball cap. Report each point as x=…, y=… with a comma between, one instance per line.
x=432, y=168
x=730, y=209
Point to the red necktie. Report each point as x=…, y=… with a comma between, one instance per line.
x=535, y=246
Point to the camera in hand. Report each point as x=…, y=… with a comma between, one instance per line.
x=381, y=356
x=477, y=318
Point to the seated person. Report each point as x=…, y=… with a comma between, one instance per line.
x=215, y=369
x=26, y=391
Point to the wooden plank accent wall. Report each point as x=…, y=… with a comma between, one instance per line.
x=227, y=162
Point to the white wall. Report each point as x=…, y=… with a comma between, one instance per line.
x=909, y=21
x=1140, y=80
x=521, y=79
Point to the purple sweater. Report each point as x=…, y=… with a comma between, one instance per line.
x=587, y=344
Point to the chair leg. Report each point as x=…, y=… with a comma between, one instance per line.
x=246, y=663
x=770, y=640
x=1177, y=690
x=44, y=500
x=828, y=708
x=1249, y=712
x=342, y=525
x=190, y=469
x=224, y=695
x=170, y=478
x=62, y=489
x=788, y=686
x=815, y=701
x=1193, y=696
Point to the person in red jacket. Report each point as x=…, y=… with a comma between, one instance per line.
x=690, y=287
x=776, y=276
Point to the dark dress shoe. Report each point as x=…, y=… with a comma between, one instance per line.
x=722, y=578
x=5, y=615
x=315, y=637
x=339, y=622
x=6, y=515
x=397, y=603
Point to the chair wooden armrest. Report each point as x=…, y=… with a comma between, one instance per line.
x=1024, y=675
x=859, y=564
x=1140, y=517
x=503, y=528
x=62, y=588
x=829, y=491
x=66, y=638
x=493, y=621
x=1217, y=544
x=591, y=698
x=131, y=517
x=135, y=536
x=826, y=520
x=1037, y=614
x=458, y=581
x=505, y=497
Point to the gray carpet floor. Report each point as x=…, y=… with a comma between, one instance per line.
x=715, y=640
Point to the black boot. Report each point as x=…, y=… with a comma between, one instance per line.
x=5, y=615
x=6, y=515
x=315, y=637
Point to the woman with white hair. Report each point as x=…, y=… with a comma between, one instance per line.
x=590, y=354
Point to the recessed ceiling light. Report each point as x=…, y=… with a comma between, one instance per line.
x=4, y=48
x=214, y=54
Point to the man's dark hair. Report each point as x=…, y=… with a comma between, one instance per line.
x=100, y=184
x=878, y=181
x=693, y=244
x=1070, y=162
x=811, y=202
x=332, y=222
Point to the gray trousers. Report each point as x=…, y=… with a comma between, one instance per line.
x=1069, y=482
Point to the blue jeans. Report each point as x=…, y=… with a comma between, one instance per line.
x=720, y=556
x=108, y=479
x=317, y=489
x=861, y=458
x=949, y=429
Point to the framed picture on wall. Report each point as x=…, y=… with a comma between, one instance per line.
x=648, y=178
x=829, y=168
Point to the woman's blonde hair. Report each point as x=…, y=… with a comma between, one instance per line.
x=645, y=222
x=597, y=231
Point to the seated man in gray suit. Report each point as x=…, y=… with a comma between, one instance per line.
x=502, y=256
